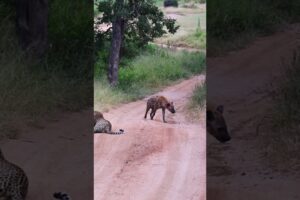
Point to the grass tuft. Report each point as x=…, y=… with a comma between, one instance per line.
x=284, y=137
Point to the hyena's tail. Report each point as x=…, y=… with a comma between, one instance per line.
x=121, y=131
x=61, y=196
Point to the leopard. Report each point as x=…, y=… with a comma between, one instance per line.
x=14, y=182
x=61, y=196
x=216, y=124
x=159, y=102
x=101, y=125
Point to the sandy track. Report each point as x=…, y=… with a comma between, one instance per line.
x=153, y=160
x=56, y=156
x=240, y=81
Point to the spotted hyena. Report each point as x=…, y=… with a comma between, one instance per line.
x=158, y=102
x=216, y=124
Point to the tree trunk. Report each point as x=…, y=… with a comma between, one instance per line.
x=116, y=42
x=32, y=25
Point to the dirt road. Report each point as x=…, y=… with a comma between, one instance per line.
x=153, y=160
x=56, y=155
x=240, y=81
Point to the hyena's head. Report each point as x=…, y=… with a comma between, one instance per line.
x=216, y=125
x=170, y=107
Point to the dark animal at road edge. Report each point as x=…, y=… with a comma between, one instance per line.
x=216, y=124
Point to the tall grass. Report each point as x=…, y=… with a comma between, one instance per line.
x=194, y=40
x=199, y=96
x=60, y=81
x=237, y=21
x=197, y=103
x=148, y=73
x=191, y=34
x=284, y=138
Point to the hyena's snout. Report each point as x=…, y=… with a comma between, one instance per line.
x=216, y=124
x=223, y=135
x=171, y=108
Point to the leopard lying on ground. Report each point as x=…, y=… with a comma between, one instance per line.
x=102, y=125
x=158, y=102
x=14, y=182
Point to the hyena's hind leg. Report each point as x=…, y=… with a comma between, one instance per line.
x=147, y=109
x=163, y=114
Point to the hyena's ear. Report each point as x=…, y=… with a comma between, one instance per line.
x=210, y=115
x=220, y=109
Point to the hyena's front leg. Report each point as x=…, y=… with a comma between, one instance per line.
x=163, y=113
x=152, y=113
x=147, y=109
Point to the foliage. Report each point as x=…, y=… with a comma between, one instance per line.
x=284, y=139
x=144, y=21
x=199, y=95
x=230, y=18
x=147, y=73
x=232, y=24
x=60, y=81
x=287, y=96
x=196, y=39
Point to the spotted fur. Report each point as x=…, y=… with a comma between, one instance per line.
x=103, y=126
x=159, y=102
x=13, y=180
x=61, y=196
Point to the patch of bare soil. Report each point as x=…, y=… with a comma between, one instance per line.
x=152, y=160
x=240, y=81
x=56, y=156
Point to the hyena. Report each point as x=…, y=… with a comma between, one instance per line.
x=102, y=125
x=216, y=124
x=158, y=102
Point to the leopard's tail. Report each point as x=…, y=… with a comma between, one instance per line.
x=61, y=196
x=121, y=131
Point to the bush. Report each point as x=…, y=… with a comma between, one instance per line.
x=63, y=79
x=283, y=137
x=147, y=73
x=199, y=95
x=170, y=3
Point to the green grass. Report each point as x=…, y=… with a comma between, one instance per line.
x=62, y=80
x=195, y=40
x=146, y=74
x=192, y=31
x=197, y=103
x=238, y=22
x=199, y=96
x=284, y=138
